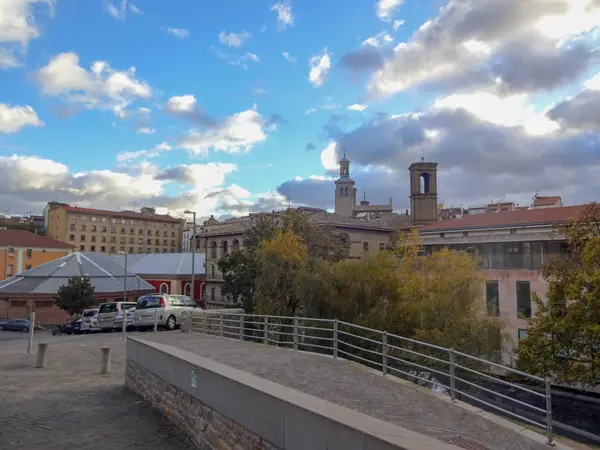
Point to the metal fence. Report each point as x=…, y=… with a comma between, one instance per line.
x=459, y=375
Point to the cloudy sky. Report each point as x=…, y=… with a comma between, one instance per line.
x=230, y=106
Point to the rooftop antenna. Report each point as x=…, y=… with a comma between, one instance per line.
x=422, y=156
x=365, y=194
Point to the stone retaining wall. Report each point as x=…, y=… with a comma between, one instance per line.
x=207, y=428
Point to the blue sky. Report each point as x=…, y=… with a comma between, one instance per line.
x=203, y=89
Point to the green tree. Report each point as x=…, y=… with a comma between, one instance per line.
x=76, y=296
x=564, y=334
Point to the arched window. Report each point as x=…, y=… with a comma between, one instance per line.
x=164, y=288
x=187, y=289
x=425, y=183
x=212, y=272
x=345, y=192
x=225, y=246
x=212, y=294
x=235, y=244
x=213, y=250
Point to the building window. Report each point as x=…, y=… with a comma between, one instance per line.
x=82, y=248
x=341, y=192
x=82, y=227
x=28, y=266
x=93, y=248
x=11, y=252
x=212, y=294
x=365, y=246
x=235, y=244
x=112, y=249
x=345, y=192
x=523, y=334
x=82, y=237
x=94, y=228
x=103, y=248
x=213, y=250
x=225, y=247
x=492, y=297
x=104, y=229
x=381, y=247
x=130, y=249
x=9, y=270
x=93, y=238
x=524, y=298
x=187, y=289
x=465, y=233
x=212, y=272
x=164, y=288
x=72, y=227
x=103, y=239
x=122, y=230
x=113, y=230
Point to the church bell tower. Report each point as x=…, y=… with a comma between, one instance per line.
x=345, y=193
x=423, y=192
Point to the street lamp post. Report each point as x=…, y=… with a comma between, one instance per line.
x=192, y=290
x=124, y=324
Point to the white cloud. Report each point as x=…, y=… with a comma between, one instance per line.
x=288, y=57
x=101, y=87
x=593, y=84
x=507, y=111
x=119, y=10
x=238, y=133
x=17, y=27
x=329, y=157
x=397, y=24
x=146, y=130
x=319, y=67
x=285, y=17
x=252, y=57
x=328, y=104
x=236, y=60
x=181, y=104
x=357, y=107
x=387, y=8
x=179, y=33
x=234, y=39
x=13, y=118
x=138, y=154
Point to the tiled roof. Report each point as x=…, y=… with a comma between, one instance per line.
x=546, y=201
x=22, y=238
x=506, y=219
x=106, y=275
x=122, y=214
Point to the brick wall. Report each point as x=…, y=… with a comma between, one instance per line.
x=205, y=427
x=45, y=314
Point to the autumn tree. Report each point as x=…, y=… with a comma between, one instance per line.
x=76, y=296
x=564, y=334
x=281, y=259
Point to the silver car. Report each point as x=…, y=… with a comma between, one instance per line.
x=170, y=310
x=108, y=313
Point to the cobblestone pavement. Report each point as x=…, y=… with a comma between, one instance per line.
x=353, y=386
x=70, y=405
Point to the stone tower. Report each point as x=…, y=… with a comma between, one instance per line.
x=345, y=193
x=423, y=192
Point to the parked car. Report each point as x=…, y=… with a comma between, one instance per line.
x=15, y=325
x=107, y=313
x=90, y=320
x=72, y=327
x=130, y=320
x=170, y=310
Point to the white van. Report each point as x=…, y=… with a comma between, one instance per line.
x=170, y=310
x=108, y=313
x=89, y=320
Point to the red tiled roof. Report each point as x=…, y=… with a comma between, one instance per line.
x=22, y=238
x=546, y=201
x=506, y=219
x=122, y=214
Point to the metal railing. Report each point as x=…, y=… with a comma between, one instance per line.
x=459, y=375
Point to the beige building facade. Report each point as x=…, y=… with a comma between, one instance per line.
x=95, y=230
x=513, y=246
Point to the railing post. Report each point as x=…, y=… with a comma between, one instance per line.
x=31, y=330
x=266, y=330
x=549, y=432
x=384, y=350
x=42, y=355
x=221, y=324
x=295, y=333
x=335, y=338
x=452, y=360
x=241, y=327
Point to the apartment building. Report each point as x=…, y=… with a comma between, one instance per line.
x=22, y=250
x=513, y=245
x=96, y=230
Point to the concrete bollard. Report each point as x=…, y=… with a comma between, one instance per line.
x=105, y=362
x=42, y=355
x=186, y=324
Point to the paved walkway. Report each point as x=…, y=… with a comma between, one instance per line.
x=70, y=405
x=353, y=386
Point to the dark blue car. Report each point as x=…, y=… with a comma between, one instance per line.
x=15, y=325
